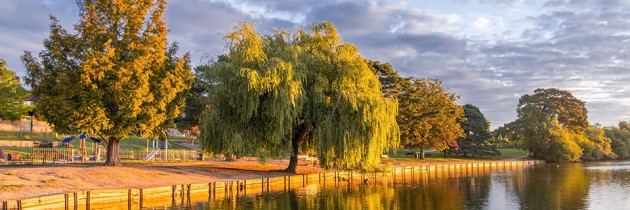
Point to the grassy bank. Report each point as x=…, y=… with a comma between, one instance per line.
x=400, y=157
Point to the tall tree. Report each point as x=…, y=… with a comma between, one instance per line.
x=115, y=77
x=283, y=93
x=195, y=101
x=570, y=112
x=12, y=95
x=477, y=130
x=428, y=116
x=539, y=129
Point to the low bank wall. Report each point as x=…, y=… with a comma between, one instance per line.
x=185, y=194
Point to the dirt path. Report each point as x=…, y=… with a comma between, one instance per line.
x=20, y=182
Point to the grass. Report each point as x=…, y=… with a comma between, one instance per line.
x=436, y=156
x=8, y=173
x=26, y=136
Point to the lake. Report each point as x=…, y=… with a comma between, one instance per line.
x=601, y=185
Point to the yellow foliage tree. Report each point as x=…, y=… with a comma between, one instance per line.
x=115, y=77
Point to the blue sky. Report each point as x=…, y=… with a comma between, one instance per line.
x=490, y=52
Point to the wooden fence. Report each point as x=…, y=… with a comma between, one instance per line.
x=185, y=194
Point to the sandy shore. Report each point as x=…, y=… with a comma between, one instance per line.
x=20, y=182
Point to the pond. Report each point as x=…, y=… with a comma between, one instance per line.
x=601, y=185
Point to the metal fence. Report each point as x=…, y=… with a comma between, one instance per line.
x=40, y=155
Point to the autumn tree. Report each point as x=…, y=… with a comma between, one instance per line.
x=12, y=95
x=284, y=93
x=428, y=116
x=477, y=130
x=114, y=77
x=596, y=145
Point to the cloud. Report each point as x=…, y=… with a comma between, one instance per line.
x=490, y=58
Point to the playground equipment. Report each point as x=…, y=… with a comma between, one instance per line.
x=157, y=147
x=95, y=156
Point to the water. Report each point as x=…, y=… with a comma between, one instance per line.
x=603, y=185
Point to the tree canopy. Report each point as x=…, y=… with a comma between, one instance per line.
x=477, y=130
x=552, y=124
x=570, y=112
x=12, y=95
x=428, y=116
x=114, y=77
x=307, y=91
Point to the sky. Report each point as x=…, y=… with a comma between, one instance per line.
x=489, y=52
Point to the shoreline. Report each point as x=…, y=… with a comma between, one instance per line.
x=31, y=181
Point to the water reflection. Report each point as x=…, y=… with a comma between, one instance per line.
x=551, y=186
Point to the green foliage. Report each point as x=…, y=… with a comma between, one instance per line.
x=543, y=136
x=477, y=130
x=12, y=95
x=620, y=140
x=271, y=94
x=195, y=99
x=114, y=77
x=598, y=145
x=552, y=122
x=570, y=112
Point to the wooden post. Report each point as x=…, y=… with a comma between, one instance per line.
x=76, y=201
x=141, y=198
x=262, y=186
x=65, y=199
x=174, y=202
x=129, y=201
x=188, y=195
x=303, y=180
x=267, y=185
x=87, y=200
x=245, y=187
x=285, y=183
x=19, y=204
x=5, y=205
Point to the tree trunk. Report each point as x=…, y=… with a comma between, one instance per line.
x=421, y=153
x=293, y=160
x=295, y=144
x=445, y=153
x=113, y=151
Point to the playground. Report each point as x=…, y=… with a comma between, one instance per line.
x=82, y=148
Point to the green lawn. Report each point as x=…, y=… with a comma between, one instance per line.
x=25, y=136
x=127, y=143
x=439, y=156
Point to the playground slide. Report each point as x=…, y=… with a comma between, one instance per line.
x=152, y=154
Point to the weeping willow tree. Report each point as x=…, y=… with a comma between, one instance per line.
x=278, y=94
